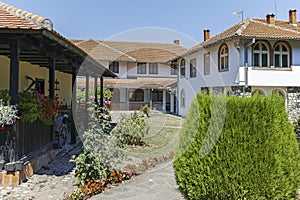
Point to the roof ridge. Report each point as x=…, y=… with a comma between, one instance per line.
x=123, y=53
x=275, y=26
x=165, y=43
x=245, y=24
x=35, y=19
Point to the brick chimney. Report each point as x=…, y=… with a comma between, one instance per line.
x=293, y=16
x=177, y=42
x=206, y=34
x=270, y=19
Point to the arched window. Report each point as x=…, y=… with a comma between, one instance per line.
x=136, y=95
x=258, y=92
x=182, y=98
x=223, y=58
x=280, y=92
x=281, y=55
x=182, y=68
x=260, y=55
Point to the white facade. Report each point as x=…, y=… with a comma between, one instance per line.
x=241, y=70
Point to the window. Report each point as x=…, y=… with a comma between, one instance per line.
x=153, y=68
x=141, y=68
x=193, y=69
x=223, y=58
x=281, y=55
x=182, y=68
x=157, y=95
x=136, y=95
x=182, y=98
x=40, y=85
x=260, y=55
x=114, y=67
x=206, y=64
x=174, y=68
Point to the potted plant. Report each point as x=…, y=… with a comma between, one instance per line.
x=145, y=110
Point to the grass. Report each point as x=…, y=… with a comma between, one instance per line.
x=162, y=138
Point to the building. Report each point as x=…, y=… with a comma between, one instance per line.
x=144, y=74
x=253, y=56
x=31, y=51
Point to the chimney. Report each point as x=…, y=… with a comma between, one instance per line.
x=293, y=16
x=270, y=19
x=206, y=34
x=177, y=42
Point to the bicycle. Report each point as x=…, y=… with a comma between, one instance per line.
x=61, y=130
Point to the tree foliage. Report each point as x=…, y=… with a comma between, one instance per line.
x=256, y=155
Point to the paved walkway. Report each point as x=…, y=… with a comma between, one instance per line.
x=54, y=181
x=156, y=184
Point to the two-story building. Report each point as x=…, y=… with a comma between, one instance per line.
x=255, y=55
x=144, y=74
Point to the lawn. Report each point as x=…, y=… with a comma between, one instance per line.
x=162, y=138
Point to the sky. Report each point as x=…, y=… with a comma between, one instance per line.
x=150, y=20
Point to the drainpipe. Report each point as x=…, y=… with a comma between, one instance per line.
x=246, y=63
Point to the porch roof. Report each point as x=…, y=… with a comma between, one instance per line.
x=143, y=83
x=37, y=42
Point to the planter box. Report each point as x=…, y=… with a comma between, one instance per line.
x=10, y=167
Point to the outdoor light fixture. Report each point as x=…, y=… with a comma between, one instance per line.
x=56, y=84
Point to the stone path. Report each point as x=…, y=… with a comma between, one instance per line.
x=156, y=184
x=55, y=181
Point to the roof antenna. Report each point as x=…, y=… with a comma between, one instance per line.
x=240, y=13
x=275, y=10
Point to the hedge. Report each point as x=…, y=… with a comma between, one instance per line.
x=252, y=152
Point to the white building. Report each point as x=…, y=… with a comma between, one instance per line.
x=255, y=55
x=144, y=74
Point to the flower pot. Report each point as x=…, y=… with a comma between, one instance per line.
x=19, y=165
x=10, y=167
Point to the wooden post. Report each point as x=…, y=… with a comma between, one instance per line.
x=101, y=92
x=14, y=71
x=95, y=89
x=51, y=64
x=87, y=88
x=74, y=106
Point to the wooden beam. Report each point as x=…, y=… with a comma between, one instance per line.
x=14, y=71
x=95, y=89
x=74, y=105
x=101, y=92
x=51, y=78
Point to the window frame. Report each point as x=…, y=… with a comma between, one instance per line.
x=193, y=68
x=141, y=68
x=223, y=58
x=206, y=60
x=114, y=66
x=281, y=53
x=260, y=53
x=174, y=68
x=182, y=68
x=182, y=98
x=153, y=68
x=136, y=95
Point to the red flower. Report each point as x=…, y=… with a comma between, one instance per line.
x=1, y=127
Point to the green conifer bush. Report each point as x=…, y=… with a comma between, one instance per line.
x=255, y=156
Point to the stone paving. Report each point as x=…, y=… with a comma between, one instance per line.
x=55, y=181
x=155, y=184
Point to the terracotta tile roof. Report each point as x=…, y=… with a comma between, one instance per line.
x=130, y=51
x=14, y=18
x=253, y=28
x=158, y=83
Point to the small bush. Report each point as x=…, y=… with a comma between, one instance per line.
x=131, y=130
x=255, y=157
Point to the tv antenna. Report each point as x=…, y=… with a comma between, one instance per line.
x=240, y=13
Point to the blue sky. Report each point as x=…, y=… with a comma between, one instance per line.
x=150, y=20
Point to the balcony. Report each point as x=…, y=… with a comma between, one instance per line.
x=256, y=76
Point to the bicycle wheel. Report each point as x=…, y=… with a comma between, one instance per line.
x=63, y=135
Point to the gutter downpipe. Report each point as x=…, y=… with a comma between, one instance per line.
x=246, y=63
